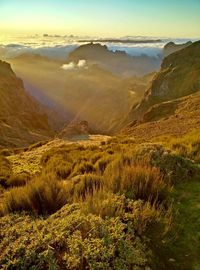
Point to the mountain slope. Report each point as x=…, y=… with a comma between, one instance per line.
x=22, y=120
x=170, y=105
x=179, y=76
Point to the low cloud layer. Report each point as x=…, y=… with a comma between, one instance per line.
x=58, y=47
x=72, y=65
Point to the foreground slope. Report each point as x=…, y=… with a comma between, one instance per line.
x=94, y=205
x=21, y=119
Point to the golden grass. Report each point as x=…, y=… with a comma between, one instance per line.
x=43, y=195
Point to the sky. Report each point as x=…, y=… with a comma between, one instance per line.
x=102, y=18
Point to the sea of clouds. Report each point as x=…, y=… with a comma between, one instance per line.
x=58, y=47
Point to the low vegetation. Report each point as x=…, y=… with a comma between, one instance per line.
x=95, y=207
x=186, y=146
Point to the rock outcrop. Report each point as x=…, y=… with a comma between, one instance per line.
x=75, y=129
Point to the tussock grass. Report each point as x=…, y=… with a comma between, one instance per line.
x=5, y=170
x=104, y=203
x=187, y=146
x=6, y=152
x=85, y=185
x=18, y=180
x=84, y=167
x=43, y=195
x=143, y=182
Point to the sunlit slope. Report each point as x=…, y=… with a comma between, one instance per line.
x=175, y=117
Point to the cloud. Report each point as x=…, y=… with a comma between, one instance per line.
x=69, y=66
x=81, y=64
x=58, y=47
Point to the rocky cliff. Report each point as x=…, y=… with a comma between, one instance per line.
x=75, y=129
x=22, y=120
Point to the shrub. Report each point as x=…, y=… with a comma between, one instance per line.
x=175, y=168
x=70, y=239
x=149, y=217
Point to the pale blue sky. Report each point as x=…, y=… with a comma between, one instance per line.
x=170, y=18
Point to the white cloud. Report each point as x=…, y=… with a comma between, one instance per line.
x=81, y=64
x=69, y=66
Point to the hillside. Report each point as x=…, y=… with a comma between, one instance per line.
x=22, y=120
x=176, y=117
x=178, y=77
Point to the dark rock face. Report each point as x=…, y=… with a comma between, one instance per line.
x=22, y=120
x=5, y=69
x=171, y=47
